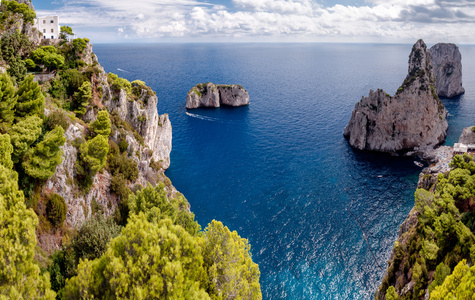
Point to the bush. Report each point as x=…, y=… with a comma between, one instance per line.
x=58, y=118
x=56, y=209
x=28, y=14
x=123, y=145
x=82, y=98
x=92, y=158
x=118, y=83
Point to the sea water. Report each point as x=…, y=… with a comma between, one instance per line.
x=279, y=170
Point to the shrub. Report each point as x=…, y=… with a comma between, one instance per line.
x=30, y=98
x=118, y=83
x=123, y=145
x=8, y=101
x=56, y=209
x=102, y=125
x=82, y=98
x=92, y=158
x=58, y=118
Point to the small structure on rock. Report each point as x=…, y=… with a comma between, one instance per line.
x=413, y=119
x=215, y=95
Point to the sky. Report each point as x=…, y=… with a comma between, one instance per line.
x=338, y=21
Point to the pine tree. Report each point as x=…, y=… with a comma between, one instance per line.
x=20, y=277
x=24, y=134
x=41, y=161
x=231, y=272
x=92, y=158
x=102, y=125
x=82, y=98
x=30, y=99
x=6, y=150
x=8, y=101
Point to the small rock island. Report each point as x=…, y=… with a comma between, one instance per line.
x=447, y=62
x=414, y=119
x=215, y=95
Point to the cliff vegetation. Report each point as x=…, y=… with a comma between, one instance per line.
x=86, y=210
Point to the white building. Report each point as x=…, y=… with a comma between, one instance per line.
x=48, y=26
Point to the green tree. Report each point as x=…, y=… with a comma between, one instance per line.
x=30, y=98
x=56, y=209
x=41, y=161
x=16, y=68
x=48, y=56
x=391, y=294
x=92, y=158
x=82, y=98
x=24, y=134
x=231, y=271
x=459, y=285
x=146, y=261
x=154, y=203
x=20, y=277
x=102, y=125
x=6, y=150
x=28, y=14
x=7, y=103
x=65, y=31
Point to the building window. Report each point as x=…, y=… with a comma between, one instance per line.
x=52, y=30
x=44, y=21
x=52, y=37
x=52, y=21
x=44, y=30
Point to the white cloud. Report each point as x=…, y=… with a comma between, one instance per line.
x=275, y=20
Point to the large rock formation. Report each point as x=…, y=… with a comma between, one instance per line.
x=447, y=62
x=215, y=95
x=413, y=119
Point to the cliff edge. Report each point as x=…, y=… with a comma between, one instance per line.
x=413, y=119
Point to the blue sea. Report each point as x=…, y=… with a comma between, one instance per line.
x=277, y=170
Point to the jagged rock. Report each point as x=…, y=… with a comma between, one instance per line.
x=467, y=136
x=143, y=116
x=211, y=95
x=62, y=183
x=447, y=62
x=413, y=119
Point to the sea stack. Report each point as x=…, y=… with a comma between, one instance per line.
x=215, y=95
x=413, y=119
x=447, y=62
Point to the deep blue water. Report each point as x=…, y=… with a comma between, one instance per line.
x=276, y=171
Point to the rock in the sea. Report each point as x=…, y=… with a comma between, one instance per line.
x=413, y=119
x=215, y=95
x=447, y=62
x=468, y=136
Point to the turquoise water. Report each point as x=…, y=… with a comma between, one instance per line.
x=276, y=171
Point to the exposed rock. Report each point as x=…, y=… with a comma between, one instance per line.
x=143, y=116
x=414, y=119
x=447, y=62
x=233, y=95
x=468, y=136
x=62, y=183
x=211, y=95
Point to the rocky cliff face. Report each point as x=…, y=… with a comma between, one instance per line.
x=211, y=95
x=447, y=62
x=413, y=119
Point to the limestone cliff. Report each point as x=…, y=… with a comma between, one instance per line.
x=149, y=139
x=211, y=95
x=468, y=136
x=413, y=119
x=447, y=62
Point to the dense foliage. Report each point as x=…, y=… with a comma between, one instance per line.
x=92, y=158
x=30, y=99
x=102, y=125
x=8, y=101
x=20, y=277
x=444, y=235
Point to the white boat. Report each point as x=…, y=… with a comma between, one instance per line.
x=418, y=164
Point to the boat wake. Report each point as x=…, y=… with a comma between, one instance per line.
x=122, y=70
x=211, y=119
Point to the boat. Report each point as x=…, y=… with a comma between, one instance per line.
x=418, y=164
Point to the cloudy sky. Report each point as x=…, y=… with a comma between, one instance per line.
x=385, y=21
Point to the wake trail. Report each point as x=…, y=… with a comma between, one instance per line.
x=211, y=119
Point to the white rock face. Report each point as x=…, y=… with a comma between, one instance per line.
x=414, y=119
x=143, y=116
x=79, y=206
x=211, y=95
x=447, y=62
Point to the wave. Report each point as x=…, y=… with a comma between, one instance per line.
x=211, y=119
x=122, y=70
